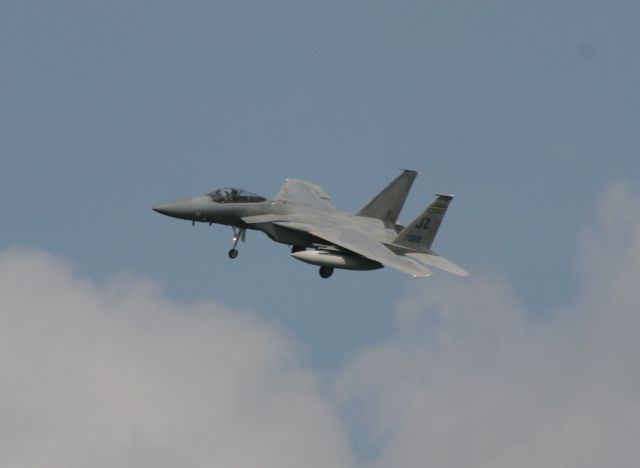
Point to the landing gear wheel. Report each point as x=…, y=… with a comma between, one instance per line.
x=326, y=271
x=238, y=235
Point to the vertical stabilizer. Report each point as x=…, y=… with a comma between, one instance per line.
x=387, y=205
x=420, y=233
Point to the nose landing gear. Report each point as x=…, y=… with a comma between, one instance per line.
x=239, y=234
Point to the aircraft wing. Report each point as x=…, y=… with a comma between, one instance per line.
x=439, y=262
x=304, y=193
x=362, y=245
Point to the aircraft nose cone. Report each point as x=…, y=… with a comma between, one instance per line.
x=177, y=209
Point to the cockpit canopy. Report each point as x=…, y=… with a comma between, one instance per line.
x=234, y=195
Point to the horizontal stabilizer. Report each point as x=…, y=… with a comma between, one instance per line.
x=439, y=262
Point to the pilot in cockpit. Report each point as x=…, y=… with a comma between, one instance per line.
x=234, y=195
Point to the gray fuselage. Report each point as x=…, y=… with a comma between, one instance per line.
x=202, y=209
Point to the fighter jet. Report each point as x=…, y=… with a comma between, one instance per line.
x=301, y=216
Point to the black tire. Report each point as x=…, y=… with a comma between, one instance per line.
x=326, y=271
x=233, y=253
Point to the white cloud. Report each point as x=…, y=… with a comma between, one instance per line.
x=117, y=375
x=473, y=380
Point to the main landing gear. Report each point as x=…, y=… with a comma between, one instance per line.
x=239, y=234
x=326, y=271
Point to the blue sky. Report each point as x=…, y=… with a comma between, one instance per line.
x=527, y=111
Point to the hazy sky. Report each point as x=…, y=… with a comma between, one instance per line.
x=527, y=111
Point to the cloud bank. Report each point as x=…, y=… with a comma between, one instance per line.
x=117, y=375
x=471, y=379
